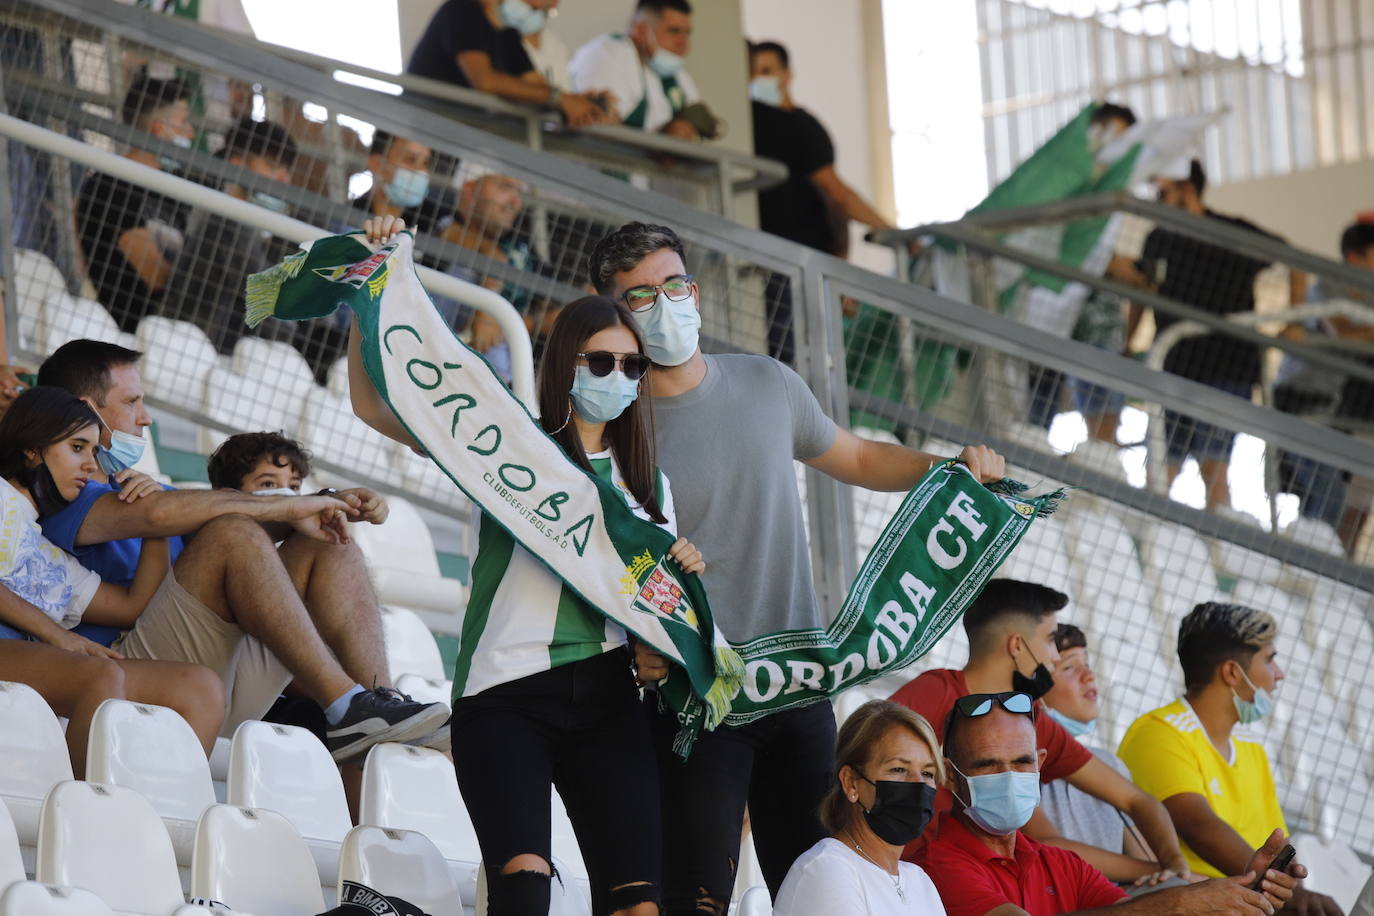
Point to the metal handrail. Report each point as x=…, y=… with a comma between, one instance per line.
x=282, y=226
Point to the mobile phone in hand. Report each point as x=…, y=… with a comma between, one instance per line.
x=1280, y=864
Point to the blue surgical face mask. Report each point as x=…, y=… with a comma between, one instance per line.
x=169, y=163
x=1252, y=710
x=601, y=400
x=665, y=63
x=671, y=330
x=1072, y=726
x=519, y=15
x=124, y=452
x=270, y=202
x=766, y=89
x=407, y=188
x=1001, y=803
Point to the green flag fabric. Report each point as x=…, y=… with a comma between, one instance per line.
x=949, y=536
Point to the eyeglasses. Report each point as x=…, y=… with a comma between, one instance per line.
x=603, y=362
x=642, y=298
x=976, y=705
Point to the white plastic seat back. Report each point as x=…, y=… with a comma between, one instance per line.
x=238, y=401
x=67, y=318
x=150, y=749
x=400, y=863
x=424, y=689
x=564, y=841
x=32, y=745
x=109, y=840
x=334, y=433
x=414, y=788
x=253, y=859
x=756, y=902
x=177, y=357
x=11, y=860
x=1333, y=868
x=36, y=279
x=282, y=373
x=410, y=647
x=29, y=898
x=286, y=769
x=402, y=542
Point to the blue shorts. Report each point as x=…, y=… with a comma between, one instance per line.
x=92, y=631
x=1093, y=400
x=1204, y=441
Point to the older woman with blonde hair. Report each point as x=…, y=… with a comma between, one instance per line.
x=888, y=765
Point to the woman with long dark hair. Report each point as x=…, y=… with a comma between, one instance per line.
x=48, y=441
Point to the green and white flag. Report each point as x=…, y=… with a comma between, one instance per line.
x=949, y=536
x=1070, y=164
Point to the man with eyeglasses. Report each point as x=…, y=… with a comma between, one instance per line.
x=983, y=865
x=728, y=429
x=1011, y=635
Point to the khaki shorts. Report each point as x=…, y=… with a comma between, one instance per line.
x=175, y=626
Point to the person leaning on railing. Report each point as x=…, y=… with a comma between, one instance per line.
x=477, y=44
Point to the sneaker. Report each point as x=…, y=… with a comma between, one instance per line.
x=438, y=740
x=379, y=715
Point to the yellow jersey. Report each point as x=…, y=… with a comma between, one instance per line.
x=1168, y=753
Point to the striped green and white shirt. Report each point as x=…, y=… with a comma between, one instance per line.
x=521, y=619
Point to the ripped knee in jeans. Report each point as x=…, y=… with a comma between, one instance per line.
x=638, y=898
x=708, y=905
x=522, y=887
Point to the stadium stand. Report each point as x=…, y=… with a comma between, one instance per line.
x=400, y=863
x=1133, y=559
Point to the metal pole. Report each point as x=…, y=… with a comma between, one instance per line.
x=9, y=330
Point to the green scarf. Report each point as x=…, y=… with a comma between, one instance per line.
x=945, y=541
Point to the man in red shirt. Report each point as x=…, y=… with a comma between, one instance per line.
x=1010, y=630
x=983, y=865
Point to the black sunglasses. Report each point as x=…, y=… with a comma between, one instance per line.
x=603, y=362
x=980, y=704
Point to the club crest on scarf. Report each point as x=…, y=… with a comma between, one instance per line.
x=662, y=595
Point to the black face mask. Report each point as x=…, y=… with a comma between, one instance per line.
x=49, y=499
x=900, y=810
x=1038, y=684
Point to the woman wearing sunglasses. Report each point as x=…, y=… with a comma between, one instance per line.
x=888, y=766
x=520, y=725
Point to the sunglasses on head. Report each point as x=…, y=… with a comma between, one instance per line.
x=980, y=704
x=603, y=362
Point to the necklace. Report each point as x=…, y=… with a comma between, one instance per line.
x=896, y=879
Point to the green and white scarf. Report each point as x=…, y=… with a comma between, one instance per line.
x=948, y=537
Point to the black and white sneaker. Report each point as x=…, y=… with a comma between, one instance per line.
x=379, y=715
x=438, y=740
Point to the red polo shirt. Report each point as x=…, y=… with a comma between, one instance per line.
x=932, y=694
x=1042, y=880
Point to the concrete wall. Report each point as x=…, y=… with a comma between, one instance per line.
x=837, y=73
x=1309, y=209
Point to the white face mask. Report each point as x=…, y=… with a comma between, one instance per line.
x=277, y=491
x=766, y=89
x=125, y=450
x=671, y=330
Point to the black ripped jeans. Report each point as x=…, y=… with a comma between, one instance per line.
x=780, y=766
x=578, y=728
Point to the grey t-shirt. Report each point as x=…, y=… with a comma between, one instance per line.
x=1082, y=817
x=727, y=446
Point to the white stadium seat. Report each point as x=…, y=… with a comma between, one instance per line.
x=36, y=280
x=405, y=570
x=34, y=751
x=237, y=400
x=410, y=647
x=1333, y=868
x=565, y=847
x=65, y=318
x=30, y=898
x=756, y=902
x=253, y=859
x=330, y=429
x=109, y=840
x=283, y=376
x=414, y=788
x=11, y=859
x=425, y=690
x=400, y=863
x=336, y=378
x=177, y=358
x=151, y=749
x=286, y=769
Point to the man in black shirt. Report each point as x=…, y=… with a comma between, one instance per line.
x=207, y=283
x=130, y=237
x=1215, y=279
x=477, y=44
x=814, y=205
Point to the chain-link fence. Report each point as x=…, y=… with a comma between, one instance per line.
x=884, y=355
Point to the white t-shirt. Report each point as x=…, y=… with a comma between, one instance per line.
x=612, y=62
x=831, y=878
x=550, y=59
x=36, y=569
